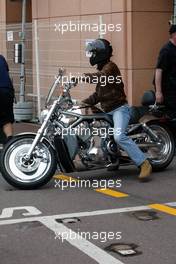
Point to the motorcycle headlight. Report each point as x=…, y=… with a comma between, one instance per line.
x=43, y=115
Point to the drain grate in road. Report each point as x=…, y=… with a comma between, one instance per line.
x=124, y=249
x=68, y=220
x=146, y=215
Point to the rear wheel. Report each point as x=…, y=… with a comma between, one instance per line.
x=161, y=155
x=32, y=173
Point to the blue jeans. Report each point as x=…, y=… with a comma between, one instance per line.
x=121, y=117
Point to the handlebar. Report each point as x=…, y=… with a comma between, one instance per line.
x=157, y=110
x=58, y=80
x=61, y=72
x=156, y=107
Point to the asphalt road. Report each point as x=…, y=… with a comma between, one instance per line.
x=32, y=228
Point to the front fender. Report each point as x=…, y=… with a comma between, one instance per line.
x=32, y=134
x=25, y=133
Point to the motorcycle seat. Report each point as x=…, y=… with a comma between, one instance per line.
x=136, y=113
x=101, y=115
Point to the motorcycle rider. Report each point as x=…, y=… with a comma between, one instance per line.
x=113, y=101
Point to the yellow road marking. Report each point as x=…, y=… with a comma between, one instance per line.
x=64, y=178
x=112, y=193
x=163, y=208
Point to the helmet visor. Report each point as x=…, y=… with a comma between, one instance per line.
x=95, y=45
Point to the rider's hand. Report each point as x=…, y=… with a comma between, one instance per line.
x=74, y=80
x=159, y=97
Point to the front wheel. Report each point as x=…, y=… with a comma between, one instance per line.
x=29, y=174
x=161, y=156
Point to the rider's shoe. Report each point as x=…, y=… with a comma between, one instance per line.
x=113, y=166
x=146, y=170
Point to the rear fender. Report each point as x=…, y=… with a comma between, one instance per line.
x=148, y=118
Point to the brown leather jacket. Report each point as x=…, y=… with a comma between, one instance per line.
x=109, y=89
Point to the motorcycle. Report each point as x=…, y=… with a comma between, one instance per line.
x=75, y=137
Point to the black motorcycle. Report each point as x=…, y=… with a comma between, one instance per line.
x=73, y=138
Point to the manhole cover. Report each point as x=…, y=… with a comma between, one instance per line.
x=124, y=249
x=68, y=220
x=146, y=215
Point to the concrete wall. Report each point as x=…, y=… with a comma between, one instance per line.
x=149, y=33
x=144, y=31
x=2, y=27
x=68, y=50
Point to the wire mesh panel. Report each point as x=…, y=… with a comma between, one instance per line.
x=12, y=37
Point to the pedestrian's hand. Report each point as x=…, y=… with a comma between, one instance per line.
x=159, y=97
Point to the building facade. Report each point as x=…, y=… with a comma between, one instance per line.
x=136, y=28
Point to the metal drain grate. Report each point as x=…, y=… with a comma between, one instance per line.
x=124, y=249
x=146, y=215
x=68, y=220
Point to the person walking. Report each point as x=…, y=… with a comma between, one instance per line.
x=165, y=73
x=6, y=100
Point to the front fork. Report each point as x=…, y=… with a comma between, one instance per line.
x=40, y=131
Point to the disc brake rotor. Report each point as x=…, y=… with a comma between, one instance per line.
x=26, y=166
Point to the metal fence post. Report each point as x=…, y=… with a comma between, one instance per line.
x=22, y=73
x=100, y=23
x=37, y=69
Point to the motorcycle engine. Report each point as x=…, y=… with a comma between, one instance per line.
x=97, y=148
